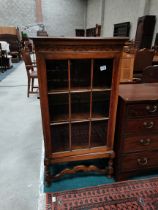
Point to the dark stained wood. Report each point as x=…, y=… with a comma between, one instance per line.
x=136, y=134
x=121, y=29
x=140, y=143
x=150, y=74
x=145, y=31
x=147, y=91
x=139, y=161
x=82, y=132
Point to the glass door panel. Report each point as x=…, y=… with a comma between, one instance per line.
x=60, y=138
x=102, y=73
x=80, y=135
x=80, y=74
x=57, y=74
x=100, y=104
x=80, y=106
x=99, y=133
x=59, y=107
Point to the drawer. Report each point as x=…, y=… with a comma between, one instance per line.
x=139, y=161
x=142, y=110
x=140, y=143
x=146, y=125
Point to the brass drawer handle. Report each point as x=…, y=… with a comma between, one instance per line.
x=142, y=161
x=148, y=124
x=145, y=141
x=151, y=109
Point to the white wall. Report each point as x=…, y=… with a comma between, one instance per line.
x=117, y=11
x=62, y=17
x=17, y=13
x=94, y=9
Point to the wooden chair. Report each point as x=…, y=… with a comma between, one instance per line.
x=31, y=72
x=150, y=74
x=143, y=58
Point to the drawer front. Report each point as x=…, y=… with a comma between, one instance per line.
x=139, y=161
x=142, y=110
x=140, y=143
x=146, y=125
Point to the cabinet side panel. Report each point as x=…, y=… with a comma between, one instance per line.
x=42, y=78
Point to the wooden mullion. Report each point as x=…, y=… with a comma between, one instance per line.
x=91, y=88
x=69, y=89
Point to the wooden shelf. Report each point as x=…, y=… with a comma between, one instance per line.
x=78, y=90
x=77, y=118
x=58, y=91
x=101, y=89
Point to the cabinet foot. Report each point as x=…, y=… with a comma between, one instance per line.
x=110, y=169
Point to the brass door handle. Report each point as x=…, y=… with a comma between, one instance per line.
x=145, y=141
x=151, y=109
x=148, y=124
x=142, y=161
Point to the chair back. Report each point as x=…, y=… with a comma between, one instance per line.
x=150, y=74
x=28, y=62
x=143, y=58
x=26, y=57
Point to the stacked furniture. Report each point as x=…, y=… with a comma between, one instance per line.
x=96, y=31
x=89, y=32
x=11, y=35
x=136, y=136
x=78, y=87
x=145, y=31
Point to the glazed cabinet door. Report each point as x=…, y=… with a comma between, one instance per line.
x=79, y=92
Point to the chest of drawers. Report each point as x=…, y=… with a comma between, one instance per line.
x=136, y=139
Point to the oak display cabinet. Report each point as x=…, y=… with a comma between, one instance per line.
x=78, y=86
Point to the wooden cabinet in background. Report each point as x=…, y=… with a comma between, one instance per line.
x=145, y=31
x=126, y=67
x=80, y=32
x=78, y=86
x=122, y=29
x=136, y=144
